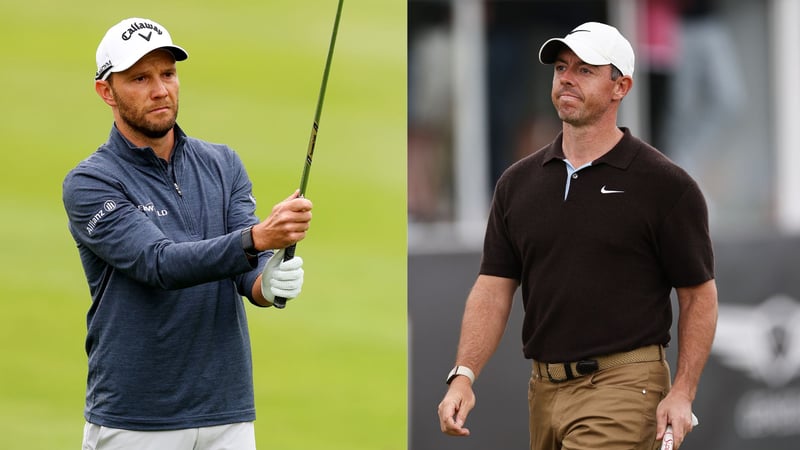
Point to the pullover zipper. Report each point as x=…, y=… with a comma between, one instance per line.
x=185, y=212
x=175, y=181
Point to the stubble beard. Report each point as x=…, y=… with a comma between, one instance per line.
x=578, y=116
x=567, y=114
x=136, y=120
x=573, y=118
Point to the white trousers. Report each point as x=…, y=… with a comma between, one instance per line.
x=236, y=436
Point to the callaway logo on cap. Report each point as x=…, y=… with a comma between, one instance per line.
x=594, y=43
x=126, y=42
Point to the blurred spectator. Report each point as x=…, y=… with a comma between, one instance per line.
x=659, y=23
x=429, y=112
x=706, y=93
x=706, y=90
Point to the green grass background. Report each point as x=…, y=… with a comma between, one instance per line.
x=330, y=369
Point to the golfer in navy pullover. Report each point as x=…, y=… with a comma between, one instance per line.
x=167, y=233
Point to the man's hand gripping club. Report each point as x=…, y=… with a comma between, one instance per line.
x=282, y=278
x=287, y=224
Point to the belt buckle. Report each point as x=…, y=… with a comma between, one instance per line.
x=587, y=366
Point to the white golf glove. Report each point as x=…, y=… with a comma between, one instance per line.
x=282, y=278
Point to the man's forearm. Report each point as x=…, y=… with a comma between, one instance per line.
x=485, y=317
x=696, y=327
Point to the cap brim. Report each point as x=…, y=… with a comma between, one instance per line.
x=177, y=52
x=549, y=52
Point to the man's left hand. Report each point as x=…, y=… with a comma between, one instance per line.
x=675, y=410
x=282, y=278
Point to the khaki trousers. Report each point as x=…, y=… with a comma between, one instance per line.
x=611, y=409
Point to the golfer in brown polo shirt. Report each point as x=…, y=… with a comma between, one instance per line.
x=596, y=229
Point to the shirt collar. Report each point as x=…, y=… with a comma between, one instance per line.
x=619, y=156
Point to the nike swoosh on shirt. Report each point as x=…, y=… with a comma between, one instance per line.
x=603, y=190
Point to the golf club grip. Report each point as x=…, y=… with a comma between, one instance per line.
x=288, y=254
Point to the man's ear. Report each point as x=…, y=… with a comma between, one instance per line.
x=622, y=86
x=103, y=89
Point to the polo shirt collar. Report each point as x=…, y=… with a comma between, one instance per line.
x=620, y=156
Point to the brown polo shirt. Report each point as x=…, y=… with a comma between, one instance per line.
x=596, y=269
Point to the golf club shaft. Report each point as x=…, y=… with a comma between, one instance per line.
x=280, y=302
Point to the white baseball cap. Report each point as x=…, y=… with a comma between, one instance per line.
x=126, y=42
x=594, y=43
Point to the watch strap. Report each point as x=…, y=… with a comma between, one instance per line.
x=461, y=370
x=247, y=243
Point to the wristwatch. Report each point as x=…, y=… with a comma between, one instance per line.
x=247, y=243
x=461, y=370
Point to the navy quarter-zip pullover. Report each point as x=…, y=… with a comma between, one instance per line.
x=160, y=243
